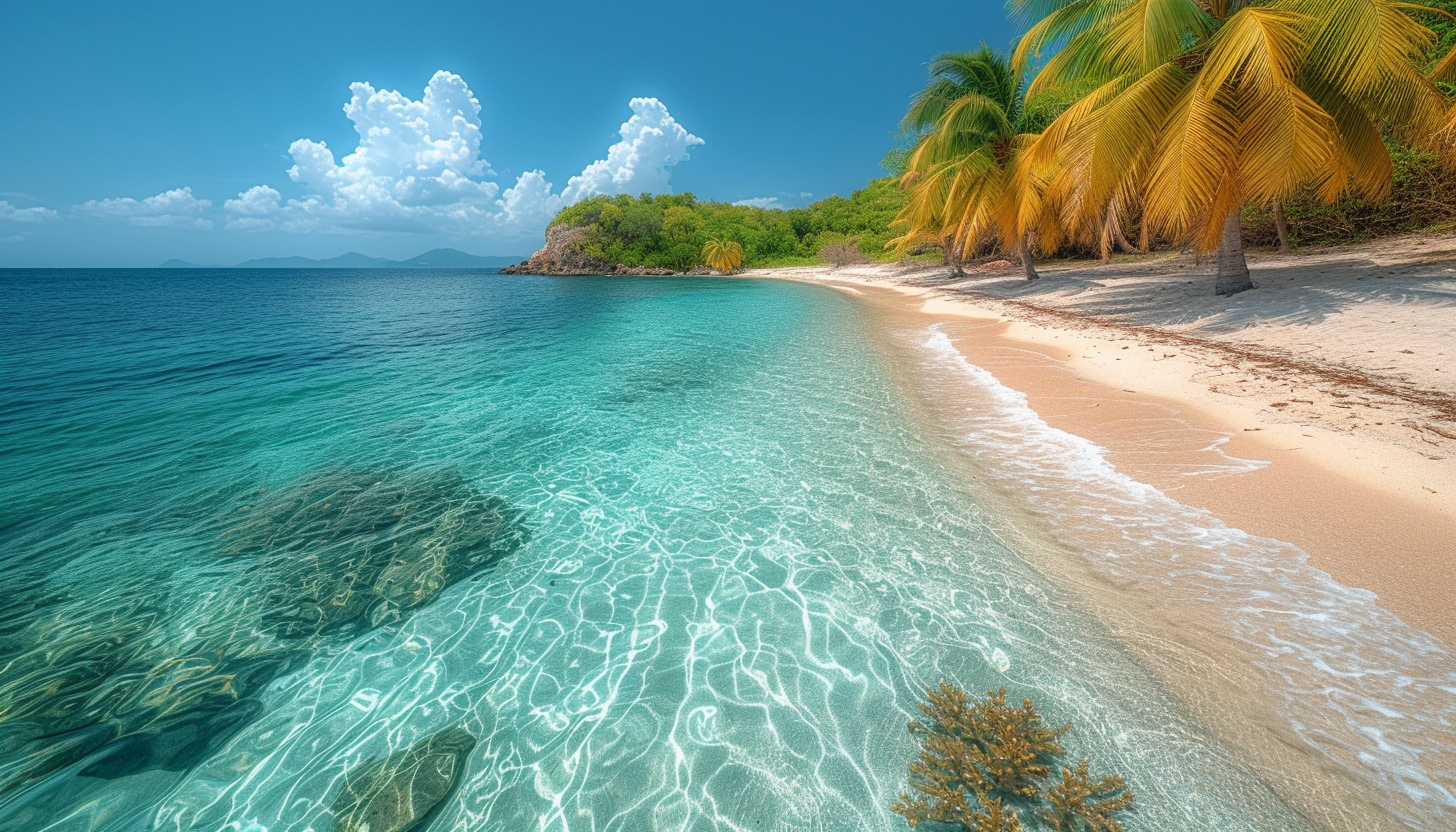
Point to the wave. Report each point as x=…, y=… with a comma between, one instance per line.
x=1354, y=683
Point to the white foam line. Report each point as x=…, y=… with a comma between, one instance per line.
x=1365, y=689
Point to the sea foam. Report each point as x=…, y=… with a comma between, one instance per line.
x=1359, y=686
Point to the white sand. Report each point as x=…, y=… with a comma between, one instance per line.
x=1340, y=370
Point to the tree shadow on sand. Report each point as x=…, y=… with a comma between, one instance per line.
x=1178, y=293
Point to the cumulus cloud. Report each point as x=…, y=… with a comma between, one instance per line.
x=415, y=160
x=417, y=167
x=10, y=212
x=529, y=204
x=652, y=143
x=176, y=208
x=255, y=209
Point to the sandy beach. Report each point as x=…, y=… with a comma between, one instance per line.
x=1319, y=409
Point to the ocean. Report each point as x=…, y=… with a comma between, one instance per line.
x=644, y=553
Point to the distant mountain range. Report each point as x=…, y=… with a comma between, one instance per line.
x=440, y=258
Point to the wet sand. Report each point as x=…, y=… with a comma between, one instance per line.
x=1371, y=513
x=1375, y=514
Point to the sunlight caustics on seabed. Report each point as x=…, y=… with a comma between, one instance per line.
x=576, y=554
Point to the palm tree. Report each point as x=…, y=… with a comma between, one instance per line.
x=724, y=255
x=1205, y=106
x=966, y=175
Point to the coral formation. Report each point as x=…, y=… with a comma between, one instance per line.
x=981, y=762
x=155, y=672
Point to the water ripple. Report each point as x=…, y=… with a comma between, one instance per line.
x=746, y=560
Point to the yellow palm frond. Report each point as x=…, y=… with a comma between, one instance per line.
x=1202, y=106
x=723, y=255
x=1370, y=51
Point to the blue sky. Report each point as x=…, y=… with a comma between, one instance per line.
x=129, y=128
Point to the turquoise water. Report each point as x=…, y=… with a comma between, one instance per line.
x=675, y=554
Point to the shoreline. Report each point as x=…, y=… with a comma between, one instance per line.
x=1373, y=561
x=1373, y=513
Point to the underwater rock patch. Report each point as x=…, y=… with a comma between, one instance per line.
x=143, y=675
x=396, y=793
x=350, y=550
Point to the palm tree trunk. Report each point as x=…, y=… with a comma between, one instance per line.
x=1282, y=226
x=1120, y=237
x=1145, y=234
x=1112, y=236
x=1233, y=269
x=1023, y=249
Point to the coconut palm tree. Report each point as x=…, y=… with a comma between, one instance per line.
x=1204, y=106
x=724, y=255
x=966, y=174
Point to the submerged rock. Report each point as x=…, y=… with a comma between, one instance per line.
x=396, y=794
x=347, y=549
x=147, y=674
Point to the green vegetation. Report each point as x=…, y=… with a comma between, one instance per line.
x=992, y=767
x=1443, y=27
x=1422, y=197
x=670, y=230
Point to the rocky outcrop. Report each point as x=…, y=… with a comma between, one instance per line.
x=561, y=256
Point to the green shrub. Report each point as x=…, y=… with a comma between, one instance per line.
x=670, y=230
x=1422, y=196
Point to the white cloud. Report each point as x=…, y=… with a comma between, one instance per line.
x=761, y=202
x=14, y=238
x=783, y=201
x=529, y=204
x=417, y=167
x=652, y=143
x=411, y=154
x=176, y=208
x=255, y=209
x=10, y=212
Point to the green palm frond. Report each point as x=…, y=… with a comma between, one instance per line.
x=969, y=178
x=955, y=75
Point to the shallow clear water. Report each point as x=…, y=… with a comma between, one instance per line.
x=721, y=560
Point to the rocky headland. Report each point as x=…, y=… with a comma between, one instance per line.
x=561, y=256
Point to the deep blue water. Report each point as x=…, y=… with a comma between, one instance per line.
x=674, y=553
